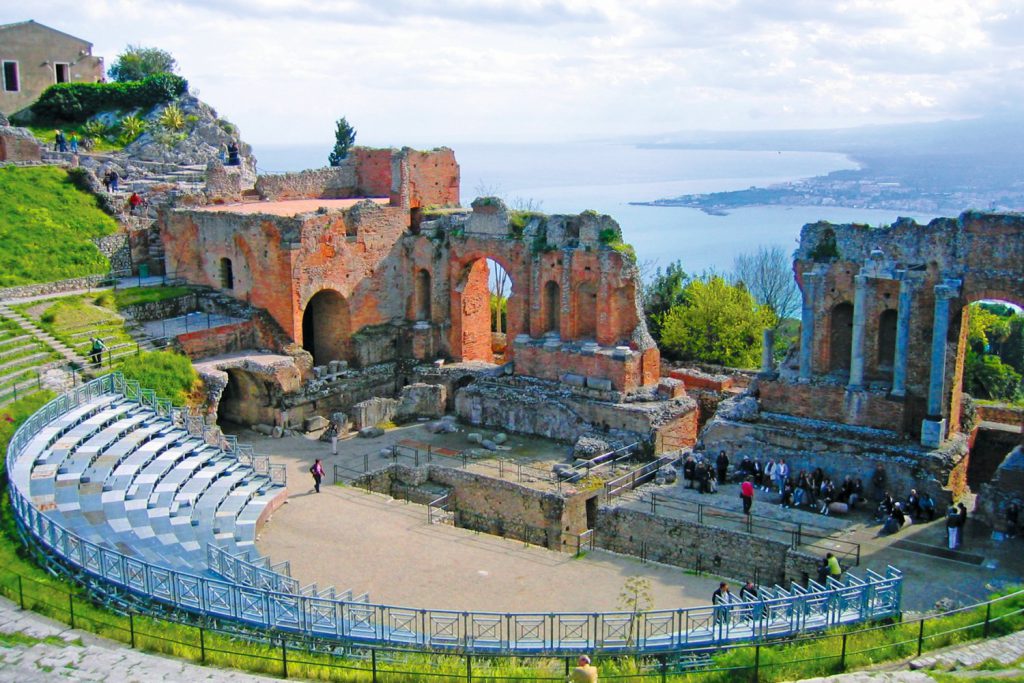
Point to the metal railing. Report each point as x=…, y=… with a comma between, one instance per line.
x=780, y=612
x=638, y=476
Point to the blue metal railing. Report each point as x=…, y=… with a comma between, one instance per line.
x=269, y=599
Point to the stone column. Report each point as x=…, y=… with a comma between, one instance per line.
x=812, y=280
x=899, y=363
x=933, y=428
x=860, y=295
x=767, y=352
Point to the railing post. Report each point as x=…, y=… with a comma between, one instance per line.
x=757, y=662
x=131, y=628
x=71, y=608
x=284, y=658
x=373, y=665
x=469, y=668
x=842, y=655
x=988, y=616
x=920, y=637
x=21, y=593
x=202, y=645
x=664, y=668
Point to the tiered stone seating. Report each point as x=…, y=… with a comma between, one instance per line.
x=115, y=473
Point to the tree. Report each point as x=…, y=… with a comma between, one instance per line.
x=768, y=274
x=635, y=598
x=662, y=293
x=138, y=62
x=717, y=323
x=344, y=138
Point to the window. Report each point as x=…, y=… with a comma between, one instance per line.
x=61, y=73
x=11, y=81
x=227, y=275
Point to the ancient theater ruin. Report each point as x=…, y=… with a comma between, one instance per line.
x=878, y=377
x=369, y=277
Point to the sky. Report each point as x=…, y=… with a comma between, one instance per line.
x=437, y=72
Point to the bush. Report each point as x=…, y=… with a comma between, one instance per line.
x=80, y=101
x=172, y=118
x=169, y=374
x=131, y=127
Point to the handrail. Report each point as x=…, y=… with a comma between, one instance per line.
x=776, y=613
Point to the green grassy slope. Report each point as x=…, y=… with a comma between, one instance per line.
x=46, y=226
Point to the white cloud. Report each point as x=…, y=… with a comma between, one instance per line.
x=437, y=71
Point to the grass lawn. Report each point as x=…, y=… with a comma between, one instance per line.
x=45, y=135
x=74, y=319
x=46, y=226
x=146, y=295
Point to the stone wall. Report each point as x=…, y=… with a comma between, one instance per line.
x=215, y=341
x=827, y=401
x=57, y=287
x=1002, y=414
x=18, y=145
x=1006, y=486
x=691, y=545
x=117, y=249
x=332, y=182
x=163, y=309
x=372, y=412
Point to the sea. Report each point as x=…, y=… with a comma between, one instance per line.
x=606, y=177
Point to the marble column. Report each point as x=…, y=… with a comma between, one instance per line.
x=812, y=281
x=934, y=426
x=768, y=352
x=860, y=296
x=899, y=363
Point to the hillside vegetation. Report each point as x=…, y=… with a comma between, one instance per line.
x=47, y=226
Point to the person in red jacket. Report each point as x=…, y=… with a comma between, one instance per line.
x=747, y=494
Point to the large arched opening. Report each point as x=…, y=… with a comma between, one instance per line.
x=486, y=289
x=245, y=400
x=326, y=327
x=840, y=339
x=586, y=310
x=552, y=307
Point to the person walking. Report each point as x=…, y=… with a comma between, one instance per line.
x=96, y=350
x=747, y=494
x=584, y=672
x=721, y=599
x=317, y=470
x=834, y=570
x=74, y=142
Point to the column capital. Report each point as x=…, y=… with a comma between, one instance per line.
x=861, y=279
x=947, y=289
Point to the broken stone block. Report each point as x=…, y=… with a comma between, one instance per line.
x=599, y=383
x=385, y=453
x=435, y=427
x=588, y=447
x=474, y=437
x=574, y=380
x=315, y=423
x=373, y=411
x=265, y=430
x=622, y=353
x=371, y=432
x=416, y=400
x=666, y=475
x=489, y=445
x=278, y=432
x=500, y=437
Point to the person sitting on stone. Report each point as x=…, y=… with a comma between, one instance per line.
x=800, y=490
x=787, y=494
x=899, y=515
x=914, y=505
x=856, y=492
x=690, y=471
x=885, y=507
x=828, y=496
x=927, y=506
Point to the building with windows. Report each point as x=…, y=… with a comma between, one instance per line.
x=33, y=57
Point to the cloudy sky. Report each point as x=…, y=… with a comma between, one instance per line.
x=431, y=72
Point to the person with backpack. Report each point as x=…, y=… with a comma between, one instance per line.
x=317, y=470
x=953, y=526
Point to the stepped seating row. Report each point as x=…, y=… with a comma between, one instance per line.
x=116, y=474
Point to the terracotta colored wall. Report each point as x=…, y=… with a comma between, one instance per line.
x=828, y=402
x=373, y=171
x=433, y=178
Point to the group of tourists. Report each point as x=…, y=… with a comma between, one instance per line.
x=813, y=489
x=64, y=143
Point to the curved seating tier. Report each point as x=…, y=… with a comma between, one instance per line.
x=130, y=491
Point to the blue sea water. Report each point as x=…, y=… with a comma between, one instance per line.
x=569, y=178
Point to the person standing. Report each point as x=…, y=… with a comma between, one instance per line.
x=781, y=474
x=961, y=527
x=74, y=142
x=1012, y=519
x=747, y=494
x=96, y=351
x=317, y=470
x=584, y=672
x=722, y=467
x=834, y=570
x=952, y=526
x=721, y=599
x=114, y=178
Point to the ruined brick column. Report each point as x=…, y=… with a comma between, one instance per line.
x=812, y=281
x=899, y=365
x=933, y=428
x=860, y=295
x=767, y=352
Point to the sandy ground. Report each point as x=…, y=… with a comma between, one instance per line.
x=290, y=207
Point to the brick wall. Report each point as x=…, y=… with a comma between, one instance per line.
x=217, y=340
x=332, y=182
x=834, y=403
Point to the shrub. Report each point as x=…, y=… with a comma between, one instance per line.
x=96, y=130
x=79, y=101
x=132, y=126
x=106, y=300
x=172, y=118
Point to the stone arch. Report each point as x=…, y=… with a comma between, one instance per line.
x=552, y=307
x=586, y=310
x=422, y=295
x=326, y=327
x=246, y=400
x=840, y=337
x=483, y=328
x=886, y=341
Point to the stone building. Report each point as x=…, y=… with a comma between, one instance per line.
x=374, y=262
x=882, y=346
x=33, y=57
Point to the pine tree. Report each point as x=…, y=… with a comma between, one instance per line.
x=344, y=137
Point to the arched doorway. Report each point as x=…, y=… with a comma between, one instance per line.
x=326, y=327
x=245, y=400
x=486, y=289
x=552, y=306
x=840, y=337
